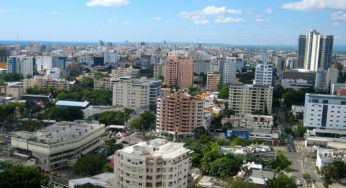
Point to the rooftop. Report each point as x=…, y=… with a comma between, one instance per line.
x=59, y=132
x=72, y=103
x=157, y=148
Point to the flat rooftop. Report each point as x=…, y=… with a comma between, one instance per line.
x=59, y=132
x=72, y=103
x=157, y=148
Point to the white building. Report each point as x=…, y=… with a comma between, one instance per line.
x=328, y=156
x=21, y=64
x=264, y=73
x=132, y=94
x=325, y=111
x=110, y=57
x=152, y=164
x=335, y=86
x=228, y=74
x=200, y=66
x=53, y=73
x=60, y=144
x=43, y=62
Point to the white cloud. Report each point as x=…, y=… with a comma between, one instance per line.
x=127, y=23
x=335, y=24
x=112, y=19
x=338, y=16
x=108, y=3
x=222, y=19
x=201, y=16
x=201, y=21
x=157, y=18
x=308, y=5
x=269, y=11
x=54, y=13
x=259, y=20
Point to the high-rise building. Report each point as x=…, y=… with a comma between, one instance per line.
x=201, y=66
x=315, y=50
x=125, y=72
x=159, y=70
x=45, y=83
x=43, y=62
x=227, y=66
x=248, y=99
x=21, y=64
x=152, y=164
x=178, y=114
x=60, y=62
x=132, y=94
x=154, y=93
x=325, y=111
x=213, y=79
x=321, y=79
x=264, y=73
x=110, y=57
x=179, y=71
x=332, y=76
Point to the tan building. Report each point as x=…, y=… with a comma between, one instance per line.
x=12, y=89
x=178, y=114
x=60, y=144
x=250, y=121
x=152, y=164
x=179, y=71
x=125, y=72
x=213, y=79
x=247, y=99
x=45, y=83
x=132, y=94
x=159, y=70
x=104, y=83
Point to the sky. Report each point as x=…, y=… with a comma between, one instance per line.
x=237, y=22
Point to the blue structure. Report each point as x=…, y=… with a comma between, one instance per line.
x=240, y=134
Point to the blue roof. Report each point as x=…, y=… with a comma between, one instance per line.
x=72, y=103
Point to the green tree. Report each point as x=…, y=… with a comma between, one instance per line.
x=283, y=181
x=148, y=120
x=233, y=163
x=64, y=113
x=280, y=163
x=88, y=185
x=136, y=123
x=89, y=165
x=223, y=91
x=112, y=117
x=300, y=132
x=107, y=168
x=19, y=176
x=32, y=126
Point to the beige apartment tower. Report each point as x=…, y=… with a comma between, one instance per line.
x=213, y=79
x=179, y=71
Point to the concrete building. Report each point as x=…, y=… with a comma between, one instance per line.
x=268, y=136
x=159, y=70
x=45, y=83
x=53, y=73
x=325, y=111
x=105, y=180
x=132, y=94
x=250, y=121
x=110, y=57
x=335, y=86
x=178, y=114
x=328, y=156
x=12, y=89
x=246, y=99
x=43, y=62
x=332, y=76
x=60, y=144
x=104, y=83
x=179, y=71
x=321, y=79
x=154, y=93
x=21, y=64
x=252, y=152
x=152, y=164
x=297, y=79
x=200, y=66
x=315, y=50
x=125, y=72
x=264, y=73
x=60, y=62
x=213, y=80
x=228, y=74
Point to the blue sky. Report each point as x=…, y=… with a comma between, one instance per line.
x=242, y=22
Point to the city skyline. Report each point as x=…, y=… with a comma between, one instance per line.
x=238, y=22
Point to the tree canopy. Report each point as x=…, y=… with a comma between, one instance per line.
x=283, y=181
x=90, y=165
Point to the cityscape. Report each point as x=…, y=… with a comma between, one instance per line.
x=212, y=94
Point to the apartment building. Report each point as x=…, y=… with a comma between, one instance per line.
x=201, y=66
x=250, y=121
x=131, y=93
x=20, y=64
x=152, y=164
x=264, y=73
x=45, y=83
x=213, y=80
x=104, y=83
x=247, y=99
x=326, y=157
x=60, y=144
x=159, y=70
x=179, y=71
x=125, y=72
x=178, y=114
x=325, y=111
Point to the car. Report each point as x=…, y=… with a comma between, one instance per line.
x=299, y=183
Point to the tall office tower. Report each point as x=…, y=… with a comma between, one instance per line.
x=154, y=164
x=110, y=57
x=324, y=111
x=179, y=71
x=248, y=99
x=332, y=76
x=321, y=79
x=213, y=79
x=229, y=71
x=264, y=73
x=201, y=66
x=315, y=50
x=43, y=63
x=154, y=93
x=60, y=62
x=21, y=64
x=178, y=114
x=132, y=94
